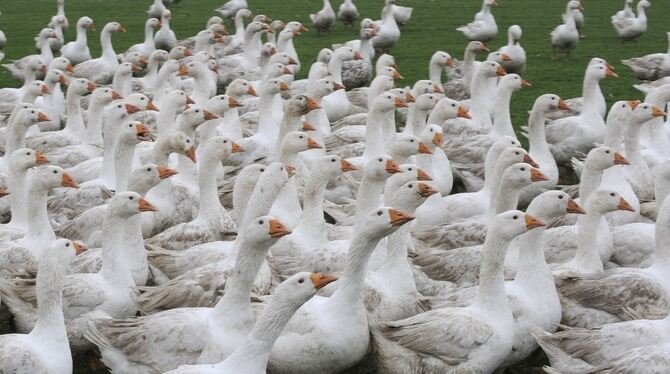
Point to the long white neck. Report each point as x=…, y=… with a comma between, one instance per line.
x=312, y=224
x=435, y=73
x=502, y=121
x=75, y=121
x=17, y=199
x=49, y=329
x=468, y=65
x=368, y=195
x=532, y=269
x=491, y=294
x=266, y=125
x=167, y=118
x=94, y=125
x=479, y=88
x=353, y=278
x=591, y=92
x=662, y=232
x=39, y=226
x=106, y=44
x=505, y=198
x=633, y=151
x=537, y=138
x=416, y=120
x=373, y=134
x=616, y=130
x=45, y=52
x=239, y=28
x=251, y=55
x=335, y=68
x=16, y=138
x=209, y=204
x=82, y=37
x=148, y=35
x=587, y=258
x=589, y=181
x=114, y=267
x=289, y=123
x=641, y=13
x=123, y=163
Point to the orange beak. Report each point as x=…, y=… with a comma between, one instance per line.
x=655, y=112
x=91, y=86
x=136, y=69
x=142, y=132
x=484, y=48
x=291, y=61
x=426, y=190
x=188, y=53
x=43, y=69
x=41, y=117
x=357, y=56
x=463, y=113
x=62, y=80
x=610, y=73
x=130, y=109
x=623, y=205
x=320, y=281
x=438, y=139
x=67, y=181
x=525, y=83
x=236, y=148
x=277, y=229
x=209, y=115
x=423, y=148
x=347, y=166
x=69, y=68
x=251, y=91
x=306, y=126
x=232, y=103
x=3, y=192
x=634, y=103
x=500, y=71
x=312, y=104
x=450, y=63
x=562, y=105
x=337, y=86
x=91, y=27
x=573, y=207
x=79, y=248
x=399, y=103
x=537, y=176
x=183, y=70
x=532, y=222
x=422, y=175
x=529, y=160
x=290, y=170
x=505, y=57
x=283, y=86
x=41, y=159
x=190, y=153
x=409, y=98
x=120, y=29
x=45, y=90
x=312, y=144
x=392, y=167
x=396, y=75
x=152, y=106
x=189, y=101
x=303, y=28
x=145, y=206
x=438, y=89
x=164, y=173
x=287, y=70
x=620, y=160
x=116, y=96
x=399, y=218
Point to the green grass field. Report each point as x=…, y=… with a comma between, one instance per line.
x=432, y=28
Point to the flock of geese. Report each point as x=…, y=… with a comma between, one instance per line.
x=188, y=206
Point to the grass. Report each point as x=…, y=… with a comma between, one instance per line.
x=432, y=28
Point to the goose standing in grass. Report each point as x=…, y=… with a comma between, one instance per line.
x=513, y=49
x=229, y=9
x=483, y=28
x=324, y=19
x=146, y=48
x=165, y=37
x=348, y=13
x=101, y=69
x=565, y=37
x=650, y=67
x=632, y=28
x=156, y=9
x=627, y=12
x=77, y=51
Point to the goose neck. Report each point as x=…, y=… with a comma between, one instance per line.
x=114, y=267
x=589, y=181
x=166, y=119
x=587, y=256
x=148, y=35
x=16, y=138
x=312, y=222
x=505, y=198
x=39, y=226
x=123, y=163
x=365, y=49
x=632, y=142
x=209, y=204
x=353, y=278
x=106, y=44
x=368, y=195
x=50, y=325
x=491, y=294
x=532, y=266
x=662, y=239
x=82, y=37
x=45, y=52
x=502, y=122
x=537, y=138
x=251, y=55
x=75, y=122
x=416, y=119
x=591, y=92
x=16, y=184
x=266, y=125
x=289, y=123
x=94, y=125
x=373, y=134
x=616, y=130
x=335, y=68
x=468, y=65
x=435, y=73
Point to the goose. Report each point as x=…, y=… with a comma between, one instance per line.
x=348, y=13
x=61, y=12
x=56, y=24
x=324, y=19
x=149, y=81
x=517, y=62
x=459, y=89
x=436, y=165
x=32, y=66
x=402, y=14
x=165, y=38
x=337, y=104
x=439, y=61
x=17, y=68
x=156, y=9
x=123, y=78
x=474, y=337
x=285, y=44
x=230, y=8
x=45, y=348
x=650, y=67
x=579, y=19
x=148, y=46
x=30, y=92
x=627, y=12
x=358, y=73
x=632, y=28
x=388, y=32
x=77, y=51
x=23, y=119
x=100, y=70
x=240, y=15
x=252, y=355
x=565, y=37
x=53, y=105
x=226, y=319
x=483, y=28
x=205, y=87
x=580, y=133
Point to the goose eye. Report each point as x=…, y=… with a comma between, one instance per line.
x=131, y=198
x=119, y=106
x=32, y=111
x=260, y=222
x=517, y=153
x=623, y=105
x=608, y=152
x=188, y=140
x=262, y=170
x=300, y=136
x=27, y=153
x=560, y=197
x=380, y=160
x=301, y=280
x=515, y=217
x=410, y=186
x=411, y=140
x=523, y=169
x=55, y=171
x=410, y=169
x=333, y=160
x=612, y=194
x=379, y=212
x=453, y=105
x=281, y=169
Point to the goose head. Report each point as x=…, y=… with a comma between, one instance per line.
x=432, y=134
x=386, y=60
x=112, y=27
x=602, y=158
x=195, y=69
x=282, y=58
x=61, y=252
x=179, y=52
x=645, y=112
x=521, y=175
x=498, y=57
x=141, y=101
x=515, y=33
x=382, y=83
x=61, y=63
x=601, y=61
x=133, y=132
x=219, y=104
x=38, y=88
x=513, y=81
x=177, y=99
x=239, y=88
x=159, y=55
x=196, y=116
x=551, y=205
x=119, y=111
x=148, y=176
x=508, y=225
x=330, y=167
x=264, y=231
x=268, y=49
x=513, y=155
x=548, y=102
x=369, y=33
x=219, y=31
x=382, y=221
x=80, y=86
x=127, y=69
x=476, y=47
x=285, y=35
x=46, y=34
x=406, y=145
x=574, y=6
x=244, y=13
x=412, y=194
x=86, y=23
x=490, y=69
x=503, y=143
x=449, y=108
x=325, y=54
x=425, y=86
x=298, y=141
x=35, y=64
x=404, y=94
x=346, y=54
x=324, y=87
x=207, y=36
x=368, y=23
x=165, y=18
x=600, y=71
x=26, y=158
x=47, y=177
x=274, y=86
x=277, y=25
x=300, y=105
x=29, y=116
x=644, y=4
x=135, y=58
x=426, y=102
x=387, y=102
x=407, y=173
x=55, y=76
x=389, y=71
x=127, y=204
x=490, y=3
x=296, y=27
x=248, y=177
x=603, y=201
x=256, y=27
x=176, y=142
x=277, y=70
x=221, y=147
x=380, y=168
x=300, y=287
x=154, y=23
x=442, y=59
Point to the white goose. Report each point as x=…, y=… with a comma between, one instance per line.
x=101, y=70
x=517, y=62
x=148, y=46
x=388, y=32
x=632, y=28
x=483, y=28
x=165, y=37
x=324, y=19
x=348, y=13
x=565, y=37
x=650, y=67
x=77, y=51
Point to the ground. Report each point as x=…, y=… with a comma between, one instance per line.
x=433, y=27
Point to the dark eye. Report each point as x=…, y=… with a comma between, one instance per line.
x=411, y=140
x=560, y=197
x=131, y=198
x=130, y=125
x=410, y=186
x=32, y=111
x=410, y=169
x=261, y=222
x=188, y=140
x=601, y=68
x=300, y=136
x=301, y=280
x=27, y=153
x=282, y=168
x=55, y=171
x=380, y=160
x=515, y=217
x=523, y=169
x=623, y=105
x=67, y=244
x=379, y=212
x=612, y=194
x=608, y=152
x=333, y=160
x=453, y=105
x=517, y=153
x=262, y=170
x=225, y=142
x=119, y=106
x=197, y=110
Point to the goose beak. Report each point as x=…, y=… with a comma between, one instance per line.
x=152, y=106
x=41, y=159
x=273, y=50
x=450, y=62
x=623, y=205
x=190, y=153
x=421, y=175
x=67, y=181
x=312, y=144
x=189, y=101
x=610, y=73
x=634, y=103
x=79, y=248
x=145, y=206
x=529, y=160
x=424, y=149
x=337, y=86
x=130, y=109
x=500, y=71
x=187, y=52
x=357, y=56
x=438, y=89
x=392, y=167
x=291, y=61
x=116, y=96
x=463, y=113
x=409, y=98
x=399, y=218
x=537, y=176
x=43, y=69
x=620, y=160
x=183, y=70
x=136, y=68
x=3, y=192
x=525, y=83
x=90, y=86
x=69, y=68
x=251, y=91
x=283, y=86
x=396, y=75
x=562, y=105
x=609, y=66
x=164, y=173
x=303, y=28
x=143, y=60
x=532, y=222
x=41, y=117
x=484, y=48
x=320, y=281
x=286, y=70
x=277, y=229
x=290, y=170
x=347, y=166
x=209, y=115
x=62, y=80
x=505, y=57
x=232, y=103
x=91, y=27
x=438, y=138
x=142, y=132
x=312, y=104
x=306, y=126
x=426, y=190
x=236, y=148
x=655, y=111
x=399, y=103
x=45, y=90
x=120, y=29
x=573, y=207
